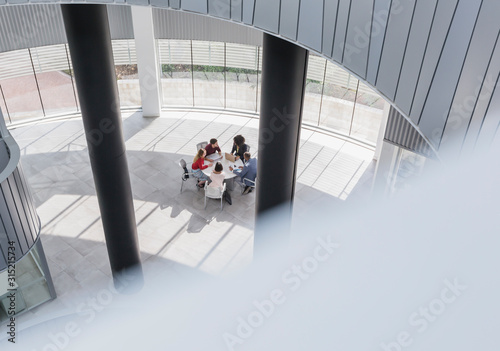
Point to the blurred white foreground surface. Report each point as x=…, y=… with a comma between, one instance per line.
x=416, y=272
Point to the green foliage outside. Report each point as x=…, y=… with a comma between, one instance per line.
x=169, y=69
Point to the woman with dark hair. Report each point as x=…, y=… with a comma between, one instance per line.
x=217, y=176
x=239, y=146
x=198, y=165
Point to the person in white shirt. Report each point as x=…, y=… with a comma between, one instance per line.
x=217, y=176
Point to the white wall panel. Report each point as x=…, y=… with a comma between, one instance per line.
x=237, y=10
x=120, y=22
x=444, y=15
x=248, y=11
x=160, y=3
x=183, y=25
x=484, y=99
x=329, y=22
x=474, y=72
x=491, y=121
x=27, y=26
x=311, y=24
x=195, y=6
x=394, y=48
x=341, y=29
x=417, y=45
x=440, y=97
x=219, y=8
x=289, y=18
x=267, y=15
x=380, y=16
x=131, y=2
x=358, y=37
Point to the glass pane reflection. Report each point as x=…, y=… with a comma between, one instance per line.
x=19, y=85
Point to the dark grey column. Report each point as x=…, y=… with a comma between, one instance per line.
x=89, y=41
x=284, y=68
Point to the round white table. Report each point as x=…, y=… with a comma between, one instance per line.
x=228, y=175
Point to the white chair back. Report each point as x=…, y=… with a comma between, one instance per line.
x=201, y=145
x=214, y=192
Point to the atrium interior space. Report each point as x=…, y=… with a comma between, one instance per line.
x=249, y=175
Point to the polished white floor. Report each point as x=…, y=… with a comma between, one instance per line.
x=175, y=232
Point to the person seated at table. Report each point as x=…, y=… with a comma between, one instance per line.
x=198, y=165
x=217, y=176
x=213, y=147
x=239, y=146
x=248, y=171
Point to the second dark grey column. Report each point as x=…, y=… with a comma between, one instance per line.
x=89, y=40
x=284, y=69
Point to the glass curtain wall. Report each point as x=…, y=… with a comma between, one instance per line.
x=126, y=73
x=227, y=75
x=176, y=72
x=53, y=72
x=208, y=73
x=3, y=107
x=367, y=114
x=314, y=89
x=20, y=93
x=38, y=82
x=243, y=64
x=339, y=95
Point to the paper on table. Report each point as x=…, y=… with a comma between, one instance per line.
x=214, y=157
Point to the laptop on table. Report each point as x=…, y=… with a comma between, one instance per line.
x=230, y=157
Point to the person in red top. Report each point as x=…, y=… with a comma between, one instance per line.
x=213, y=147
x=198, y=165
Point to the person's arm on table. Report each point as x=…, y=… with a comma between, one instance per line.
x=243, y=172
x=235, y=170
x=200, y=164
